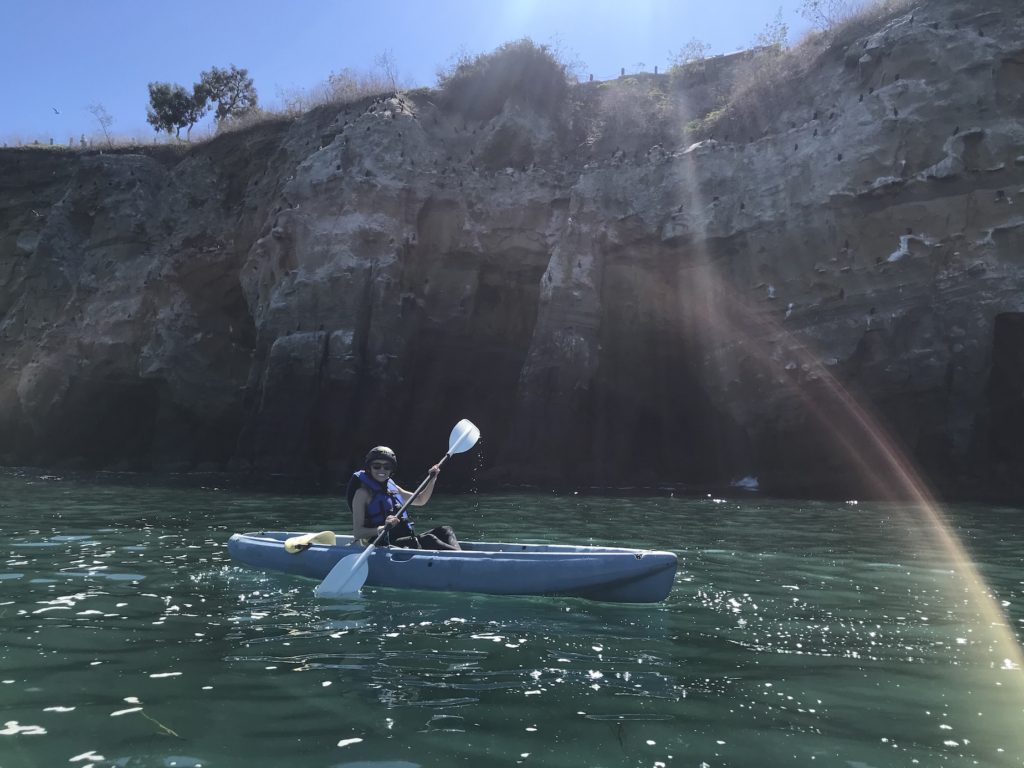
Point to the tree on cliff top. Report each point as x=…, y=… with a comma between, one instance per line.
x=480, y=86
x=172, y=108
x=232, y=89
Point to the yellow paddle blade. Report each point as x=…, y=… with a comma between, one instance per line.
x=297, y=544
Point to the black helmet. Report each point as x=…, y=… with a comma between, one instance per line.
x=382, y=453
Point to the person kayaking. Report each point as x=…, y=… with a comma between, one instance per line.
x=375, y=498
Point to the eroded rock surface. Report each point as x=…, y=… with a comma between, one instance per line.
x=789, y=305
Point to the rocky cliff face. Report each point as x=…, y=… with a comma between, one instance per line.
x=813, y=291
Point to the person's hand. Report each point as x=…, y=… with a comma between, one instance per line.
x=390, y=521
x=434, y=471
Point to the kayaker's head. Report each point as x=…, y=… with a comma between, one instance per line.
x=381, y=462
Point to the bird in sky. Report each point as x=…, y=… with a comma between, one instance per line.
x=56, y=111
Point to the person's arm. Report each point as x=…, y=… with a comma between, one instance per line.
x=424, y=497
x=360, y=531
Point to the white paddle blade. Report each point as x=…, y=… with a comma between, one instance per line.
x=346, y=577
x=463, y=437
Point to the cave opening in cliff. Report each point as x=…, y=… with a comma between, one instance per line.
x=1006, y=389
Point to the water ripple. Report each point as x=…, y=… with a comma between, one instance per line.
x=125, y=622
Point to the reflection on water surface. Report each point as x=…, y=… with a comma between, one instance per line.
x=797, y=634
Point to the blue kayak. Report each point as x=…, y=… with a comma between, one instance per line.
x=611, y=574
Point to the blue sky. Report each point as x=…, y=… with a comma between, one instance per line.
x=60, y=56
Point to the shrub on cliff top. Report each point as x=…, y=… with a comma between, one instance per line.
x=775, y=77
x=479, y=87
x=632, y=114
x=840, y=22
x=347, y=86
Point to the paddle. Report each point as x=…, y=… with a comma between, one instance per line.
x=349, y=574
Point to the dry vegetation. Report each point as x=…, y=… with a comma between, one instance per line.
x=478, y=87
x=343, y=87
x=630, y=114
x=340, y=88
x=639, y=110
x=775, y=77
x=840, y=23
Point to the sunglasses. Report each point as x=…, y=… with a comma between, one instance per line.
x=381, y=465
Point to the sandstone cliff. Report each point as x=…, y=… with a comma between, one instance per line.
x=826, y=278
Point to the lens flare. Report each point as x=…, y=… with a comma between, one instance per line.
x=729, y=326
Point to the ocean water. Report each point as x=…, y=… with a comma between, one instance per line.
x=797, y=634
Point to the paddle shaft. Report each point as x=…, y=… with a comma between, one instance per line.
x=419, y=490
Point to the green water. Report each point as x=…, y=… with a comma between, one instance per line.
x=798, y=634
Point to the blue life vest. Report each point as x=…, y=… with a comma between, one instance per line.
x=383, y=501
